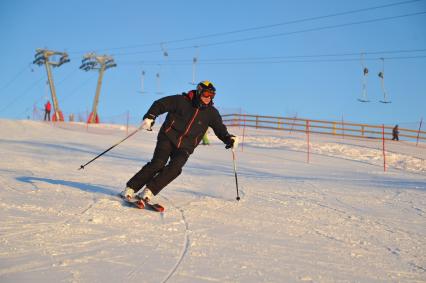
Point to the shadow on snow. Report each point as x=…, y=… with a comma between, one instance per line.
x=81, y=186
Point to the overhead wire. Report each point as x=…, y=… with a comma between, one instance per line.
x=22, y=94
x=32, y=86
x=225, y=42
x=286, y=58
x=162, y=43
x=15, y=77
x=259, y=37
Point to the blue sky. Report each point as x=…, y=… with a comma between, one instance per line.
x=278, y=58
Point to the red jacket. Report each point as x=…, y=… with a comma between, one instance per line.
x=47, y=106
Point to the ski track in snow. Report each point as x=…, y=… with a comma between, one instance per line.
x=337, y=219
x=185, y=244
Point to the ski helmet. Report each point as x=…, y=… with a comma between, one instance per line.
x=205, y=86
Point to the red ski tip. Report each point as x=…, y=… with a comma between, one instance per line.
x=159, y=208
x=140, y=204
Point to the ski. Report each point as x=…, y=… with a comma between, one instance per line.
x=138, y=203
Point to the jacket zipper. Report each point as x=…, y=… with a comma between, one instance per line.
x=188, y=128
x=169, y=127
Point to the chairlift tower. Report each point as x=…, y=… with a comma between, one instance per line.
x=42, y=58
x=91, y=61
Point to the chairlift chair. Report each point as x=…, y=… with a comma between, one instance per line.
x=159, y=92
x=382, y=83
x=142, y=83
x=364, y=97
x=194, y=63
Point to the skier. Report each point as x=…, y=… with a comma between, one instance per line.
x=47, y=108
x=189, y=116
x=205, y=139
x=395, y=133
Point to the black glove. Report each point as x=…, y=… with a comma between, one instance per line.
x=229, y=141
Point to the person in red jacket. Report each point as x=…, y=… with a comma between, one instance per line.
x=47, y=109
x=188, y=117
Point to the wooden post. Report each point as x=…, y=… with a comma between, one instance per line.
x=127, y=123
x=307, y=134
x=87, y=120
x=257, y=121
x=384, y=152
x=292, y=125
x=244, y=133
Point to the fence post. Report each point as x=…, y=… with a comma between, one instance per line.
x=127, y=123
x=294, y=122
x=384, y=152
x=244, y=133
x=257, y=121
x=362, y=130
x=87, y=120
x=307, y=133
x=343, y=129
x=334, y=128
x=418, y=133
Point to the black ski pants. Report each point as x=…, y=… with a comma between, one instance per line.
x=47, y=115
x=156, y=174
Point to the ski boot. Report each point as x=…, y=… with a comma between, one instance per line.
x=128, y=193
x=144, y=197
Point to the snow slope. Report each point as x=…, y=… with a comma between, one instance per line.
x=339, y=218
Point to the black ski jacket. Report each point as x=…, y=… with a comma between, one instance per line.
x=187, y=120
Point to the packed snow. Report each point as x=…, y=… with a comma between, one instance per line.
x=337, y=218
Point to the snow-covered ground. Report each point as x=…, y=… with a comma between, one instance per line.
x=339, y=218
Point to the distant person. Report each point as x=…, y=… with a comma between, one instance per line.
x=47, y=109
x=395, y=133
x=206, y=139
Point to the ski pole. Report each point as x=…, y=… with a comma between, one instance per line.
x=235, y=173
x=131, y=134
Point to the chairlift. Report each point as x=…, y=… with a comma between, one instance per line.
x=194, y=65
x=39, y=52
x=381, y=75
x=112, y=65
x=142, y=83
x=64, y=59
x=158, y=84
x=39, y=59
x=165, y=53
x=364, y=97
